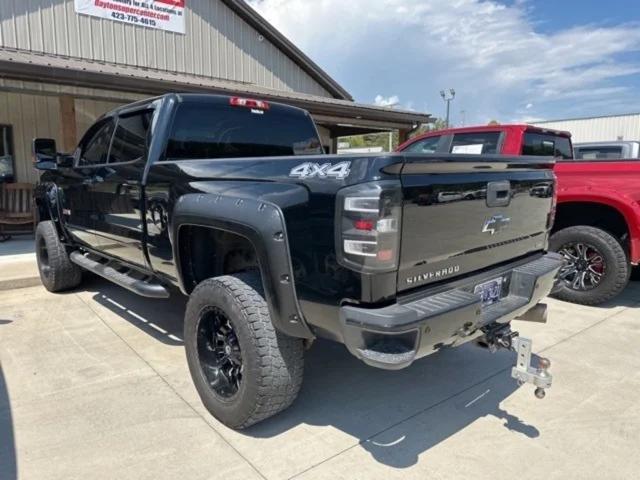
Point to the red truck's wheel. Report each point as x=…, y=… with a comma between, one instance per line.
x=597, y=267
x=243, y=368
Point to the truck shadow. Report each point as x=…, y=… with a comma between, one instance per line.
x=8, y=462
x=396, y=416
x=162, y=319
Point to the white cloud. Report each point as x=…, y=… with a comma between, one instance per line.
x=391, y=101
x=489, y=52
x=529, y=106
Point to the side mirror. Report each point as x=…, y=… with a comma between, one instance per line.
x=65, y=161
x=45, y=154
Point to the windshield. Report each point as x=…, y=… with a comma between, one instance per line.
x=213, y=130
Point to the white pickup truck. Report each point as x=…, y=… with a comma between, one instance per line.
x=607, y=150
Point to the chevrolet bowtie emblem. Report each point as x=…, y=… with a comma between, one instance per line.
x=496, y=224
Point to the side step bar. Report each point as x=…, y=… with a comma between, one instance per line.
x=137, y=286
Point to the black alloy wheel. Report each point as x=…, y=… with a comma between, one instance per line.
x=597, y=268
x=585, y=267
x=219, y=352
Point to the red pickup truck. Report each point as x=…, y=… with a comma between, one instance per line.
x=597, y=226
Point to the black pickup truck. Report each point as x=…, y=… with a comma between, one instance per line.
x=232, y=201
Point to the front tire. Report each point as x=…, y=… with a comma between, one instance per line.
x=597, y=267
x=243, y=368
x=57, y=272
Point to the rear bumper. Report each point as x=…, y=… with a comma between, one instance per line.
x=394, y=336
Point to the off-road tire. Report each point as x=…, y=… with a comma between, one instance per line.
x=618, y=269
x=273, y=363
x=57, y=272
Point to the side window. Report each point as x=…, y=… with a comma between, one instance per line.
x=476, y=143
x=547, y=146
x=563, y=148
x=130, y=140
x=426, y=145
x=95, y=147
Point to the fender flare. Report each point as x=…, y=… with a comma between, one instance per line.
x=47, y=200
x=262, y=224
x=625, y=206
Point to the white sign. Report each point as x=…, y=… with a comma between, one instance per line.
x=475, y=149
x=159, y=14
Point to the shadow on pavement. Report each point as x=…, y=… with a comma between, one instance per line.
x=160, y=318
x=369, y=404
x=399, y=415
x=8, y=462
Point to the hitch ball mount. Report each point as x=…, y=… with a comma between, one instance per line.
x=523, y=371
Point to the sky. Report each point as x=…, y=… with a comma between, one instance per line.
x=508, y=60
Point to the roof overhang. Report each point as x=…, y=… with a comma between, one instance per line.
x=342, y=117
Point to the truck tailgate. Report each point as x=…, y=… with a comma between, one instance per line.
x=462, y=214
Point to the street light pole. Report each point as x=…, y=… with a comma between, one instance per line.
x=448, y=95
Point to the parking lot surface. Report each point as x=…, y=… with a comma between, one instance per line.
x=94, y=384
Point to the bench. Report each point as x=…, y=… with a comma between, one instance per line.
x=17, y=209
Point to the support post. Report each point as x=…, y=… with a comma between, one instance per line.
x=403, y=136
x=68, y=128
x=334, y=145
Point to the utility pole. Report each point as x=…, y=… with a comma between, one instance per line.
x=463, y=115
x=448, y=95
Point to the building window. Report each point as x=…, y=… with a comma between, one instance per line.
x=6, y=153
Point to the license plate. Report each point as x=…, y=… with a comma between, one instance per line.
x=490, y=291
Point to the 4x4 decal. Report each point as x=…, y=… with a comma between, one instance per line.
x=327, y=170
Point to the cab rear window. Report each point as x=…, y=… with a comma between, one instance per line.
x=547, y=145
x=204, y=131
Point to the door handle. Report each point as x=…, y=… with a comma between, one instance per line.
x=498, y=194
x=93, y=180
x=125, y=188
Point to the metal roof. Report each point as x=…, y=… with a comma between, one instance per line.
x=26, y=65
x=268, y=31
x=596, y=117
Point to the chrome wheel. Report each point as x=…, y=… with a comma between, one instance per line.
x=219, y=353
x=585, y=268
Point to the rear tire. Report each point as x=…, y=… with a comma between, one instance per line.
x=57, y=272
x=243, y=368
x=615, y=268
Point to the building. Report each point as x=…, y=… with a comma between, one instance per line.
x=598, y=129
x=65, y=62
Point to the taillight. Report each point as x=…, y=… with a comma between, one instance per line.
x=369, y=218
x=249, y=103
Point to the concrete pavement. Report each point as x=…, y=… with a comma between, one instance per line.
x=96, y=386
x=18, y=267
